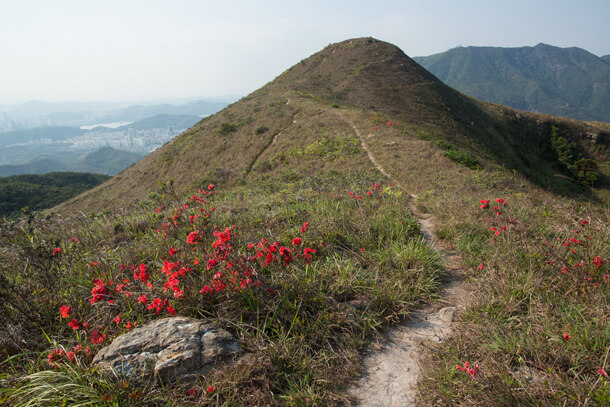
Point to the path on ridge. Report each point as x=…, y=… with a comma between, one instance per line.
x=393, y=371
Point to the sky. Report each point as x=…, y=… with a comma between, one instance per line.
x=168, y=50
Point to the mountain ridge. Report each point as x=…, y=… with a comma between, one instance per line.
x=568, y=82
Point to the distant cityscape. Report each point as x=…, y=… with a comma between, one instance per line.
x=133, y=140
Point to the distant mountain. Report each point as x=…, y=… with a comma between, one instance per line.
x=106, y=161
x=559, y=81
x=43, y=191
x=43, y=114
x=41, y=166
x=139, y=112
x=163, y=121
x=49, y=133
x=606, y=58
x=103, y=161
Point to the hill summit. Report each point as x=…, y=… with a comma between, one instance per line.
x=309, y=112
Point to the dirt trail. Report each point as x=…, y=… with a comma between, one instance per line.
x=393, y=370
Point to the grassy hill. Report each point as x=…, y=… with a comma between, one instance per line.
x=558, y=81
x=39, y=192
x=376, y=78
x=328, y=172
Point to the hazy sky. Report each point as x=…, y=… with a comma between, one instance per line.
x=132, y=50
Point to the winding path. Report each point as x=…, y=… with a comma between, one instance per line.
x=393, y=371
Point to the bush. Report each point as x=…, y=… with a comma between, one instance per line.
x=260, y=130
x=227, y=128
x=460, y=157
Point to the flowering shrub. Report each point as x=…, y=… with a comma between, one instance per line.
x=210, y=267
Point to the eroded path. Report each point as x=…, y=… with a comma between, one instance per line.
x=392, y=369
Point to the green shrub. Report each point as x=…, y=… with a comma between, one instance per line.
x=460, y=157
x=227, y=128
x=260, y=130
x=445, y=145
x=463, y=158
x=423, y=135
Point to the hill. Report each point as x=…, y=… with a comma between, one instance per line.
x=40, y=166
x=242, y=141
x=39, y=192
x=606, y=58
x=106, y=160
x=352, y=196
x=558, y=81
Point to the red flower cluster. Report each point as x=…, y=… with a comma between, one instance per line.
x=99, y=292
x=472, y=372
x=65, y=311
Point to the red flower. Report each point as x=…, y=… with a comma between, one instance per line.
x=141, y=274
x=210, y=187
x=56, y=251
x=566, y=337
x=75, y=240
x=143, y=299
x=65, y=311
x=211, y=389
x=602, y=372
x=481, y=266
x=297, y=241
x=171, y=310
x=117, y=319
x=467, y=369
x=304, y=227
x=172, y=251
x=97, y=337
x=74, y=324
x=98, y=292
x=193, y=238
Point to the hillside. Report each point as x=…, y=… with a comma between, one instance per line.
x=42, y=191
x=239, y=143
x=330, y=223
x=558, y=81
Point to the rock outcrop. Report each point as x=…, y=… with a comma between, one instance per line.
x=169, y=349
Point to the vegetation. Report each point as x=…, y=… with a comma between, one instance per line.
x=569, y=155
x=36, y=192
x=460, y=157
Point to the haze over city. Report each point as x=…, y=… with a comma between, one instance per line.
x=179, y=50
